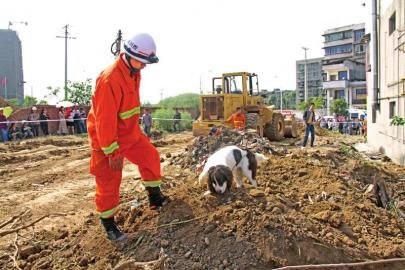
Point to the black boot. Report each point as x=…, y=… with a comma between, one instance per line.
x=156, y=198
x=113, y=232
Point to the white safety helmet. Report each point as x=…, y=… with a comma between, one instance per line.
x=142, y=47
x=34, y=108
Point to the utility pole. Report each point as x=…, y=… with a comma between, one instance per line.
x=116, y=46
x=305, y=76
x=66, y=37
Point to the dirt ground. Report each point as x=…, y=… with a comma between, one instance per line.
x=312, y=206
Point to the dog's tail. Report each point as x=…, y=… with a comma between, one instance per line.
x=260, y=158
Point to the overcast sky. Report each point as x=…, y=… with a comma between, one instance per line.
x=195, y=39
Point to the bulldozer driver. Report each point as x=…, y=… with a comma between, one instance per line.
x=237, y=119
x=114, y=132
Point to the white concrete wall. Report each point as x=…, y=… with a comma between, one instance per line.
x=388, y=139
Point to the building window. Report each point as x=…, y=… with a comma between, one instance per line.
x=342, y=75
x=332, y=78
x=347, y=48
x=392, y=109
x=392, y=24
x=333, y=37
x=347, y=34
x=338, y=36
x=362, y=91
x=359, y=96
x=359, y=48
x=358, y=34
x=340, y=94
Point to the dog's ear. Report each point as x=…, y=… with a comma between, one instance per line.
x=211, y=170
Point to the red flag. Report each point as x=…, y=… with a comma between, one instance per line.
x=4, y=81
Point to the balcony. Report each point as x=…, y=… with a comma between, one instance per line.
x=335, y=84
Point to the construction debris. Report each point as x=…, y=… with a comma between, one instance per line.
x=196, y=153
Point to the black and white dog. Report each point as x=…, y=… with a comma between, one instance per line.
x=230, y=163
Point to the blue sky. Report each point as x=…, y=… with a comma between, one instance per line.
x=195, y=39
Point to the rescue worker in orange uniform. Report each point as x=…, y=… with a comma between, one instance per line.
x=114, y=132
x=238, y=119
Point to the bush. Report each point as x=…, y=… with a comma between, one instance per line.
x=167, y=125
x=186, y=125
x=181, y=101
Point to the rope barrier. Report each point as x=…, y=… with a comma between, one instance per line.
x=159, y=119
x=68, y=120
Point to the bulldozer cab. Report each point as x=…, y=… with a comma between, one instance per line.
x=231, y=90
x=243, y=83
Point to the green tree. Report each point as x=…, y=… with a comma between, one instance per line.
x=43, y=102
x=29, y=101
x=318, y=102
x=15, y=102
x=80, y=92
x=186, y=100
x=339, y=107
x=163, y=124
x=289, y=99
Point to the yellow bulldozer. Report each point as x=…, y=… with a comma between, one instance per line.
x=241, y=89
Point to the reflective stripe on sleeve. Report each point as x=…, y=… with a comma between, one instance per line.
x=130, y=113
x=111, y=148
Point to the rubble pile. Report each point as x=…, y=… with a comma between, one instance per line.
x=196, y=153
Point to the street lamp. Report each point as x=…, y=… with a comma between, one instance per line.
x=305, y=76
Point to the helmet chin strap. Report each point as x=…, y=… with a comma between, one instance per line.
x=132, y=70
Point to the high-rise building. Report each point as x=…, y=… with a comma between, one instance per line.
x=11, y=68
x=314, y=78
x=343, y=65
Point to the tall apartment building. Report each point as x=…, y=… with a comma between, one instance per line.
x=344, y=74
x=314, y=78
x=11, y=68
x=386, y=95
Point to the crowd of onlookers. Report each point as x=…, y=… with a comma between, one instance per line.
x=345, y=125
x=70, y=120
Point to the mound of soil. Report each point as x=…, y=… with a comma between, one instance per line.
x=310, y=207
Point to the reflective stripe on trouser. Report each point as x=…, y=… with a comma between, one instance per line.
x=108, y=213
x=152, y=183
x=141, y=153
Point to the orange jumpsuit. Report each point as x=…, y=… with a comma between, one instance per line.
x=238, y=120
x=113, y=128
